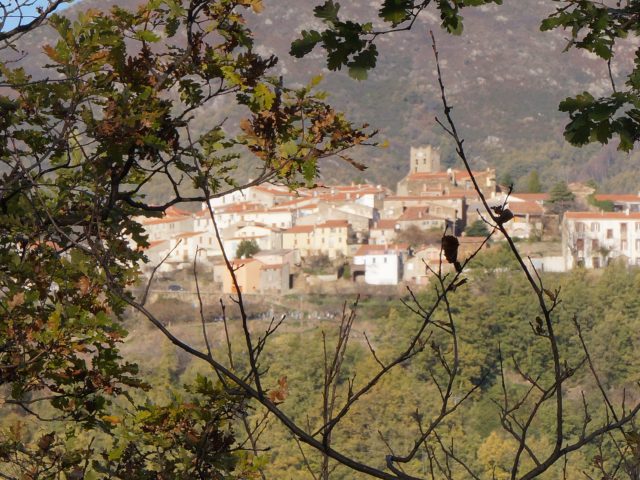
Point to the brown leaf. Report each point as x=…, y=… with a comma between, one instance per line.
x=16, y=300
x=450, y=247
x=84, y=285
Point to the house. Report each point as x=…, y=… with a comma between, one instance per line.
x=592, y=239
x=420, y=217
x=299, y=238
x=247, y=273
x=383, y=232
x=275, y=278
x=382, y=264
x=174, y=221
x=621, y=202
x=415, y=267
x=527, y=219
x=330, y=238
x=156, y=253
x=451, y=206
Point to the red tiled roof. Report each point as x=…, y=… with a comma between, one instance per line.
x=380, y=249
x=524, y=208
x=617, y=197
x=176, y=212
x=384, y=225
x=602, y=215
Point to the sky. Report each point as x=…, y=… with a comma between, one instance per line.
x=28, y=8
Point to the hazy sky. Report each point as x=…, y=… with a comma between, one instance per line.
x=28, y=11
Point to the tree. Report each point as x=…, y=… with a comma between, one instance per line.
x=78, y=151
x=477, y=229
x=533, y=182
x=77, y=154
x=247, y=249
x=560, y=198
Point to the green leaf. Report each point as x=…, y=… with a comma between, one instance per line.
x=328, y=11
x=304, y=45
x=147, y=36
x=395, y=11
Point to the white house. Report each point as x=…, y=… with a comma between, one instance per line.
x=592, y=239
x=382, y=263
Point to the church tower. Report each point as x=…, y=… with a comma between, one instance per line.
x=424, y=159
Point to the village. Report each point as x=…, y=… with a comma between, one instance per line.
x=279, y=240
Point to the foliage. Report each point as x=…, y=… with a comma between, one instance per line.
x=351, y=44
x=533, y=182
x=247, y=249
x=560, y=198
x=318, y=264
x=414, y=236
x=477, y=229
x=76, y=154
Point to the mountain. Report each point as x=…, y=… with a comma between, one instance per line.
x=503, y=76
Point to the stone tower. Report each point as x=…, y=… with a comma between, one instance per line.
x=425, y=159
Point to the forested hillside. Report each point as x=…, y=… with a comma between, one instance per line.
x=492, y=314
x=504, y=76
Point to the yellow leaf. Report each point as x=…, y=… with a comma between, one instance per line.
x=257, y=6
x=112, y=419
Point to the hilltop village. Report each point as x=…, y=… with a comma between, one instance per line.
x=278, y=239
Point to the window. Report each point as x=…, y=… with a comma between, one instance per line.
x=385, y=259
x=595, y=261
x=637, y=226
x=637, y=244
x=594, y=244
x=623, y=229
x=595, y=227
x=579, y=227
x=609, y=232
x=623, y=245
x=580, y=244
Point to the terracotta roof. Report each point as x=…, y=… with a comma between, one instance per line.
x=602, y=215
x=384, y=225
x=300, y=229
x=240, y=207
x=524, y=208
x=617, y=197
x=380, y=249
x=176, y=212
